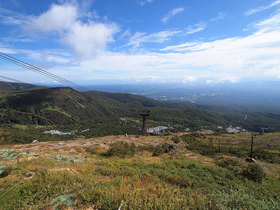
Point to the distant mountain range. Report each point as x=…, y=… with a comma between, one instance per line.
x=244, y=95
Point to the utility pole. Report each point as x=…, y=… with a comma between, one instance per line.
x=144, y=114
x=219, y=145
x=252, y=142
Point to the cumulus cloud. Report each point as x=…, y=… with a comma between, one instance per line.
x=86, y=39
x=58, y=17
x=262, y=8
x=172, y=13
x=89, y=39
x=230, y=59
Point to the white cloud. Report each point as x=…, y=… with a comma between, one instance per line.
x=57, y=18
x=125, y=34
x=44, y=58
x=17, y=39
x=89, y=39
x=143, y=2
x=63, y=23
x=196, y=28
x=180, y=47
x=158, y=37
x=172, y=13
x=231, y=59
x=85, y=39
x=11, y=18
x=189, y=79
x=224, y=78
x=262, y=8
x=220, y=16
x=271, y=23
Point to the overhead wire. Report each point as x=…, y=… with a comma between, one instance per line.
x=40, y=71
x=10, y=79
x=27, y=65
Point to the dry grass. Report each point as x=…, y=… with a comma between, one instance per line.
x=169, y=181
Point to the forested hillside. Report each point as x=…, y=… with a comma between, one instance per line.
x=16, y=87
x=102, y=113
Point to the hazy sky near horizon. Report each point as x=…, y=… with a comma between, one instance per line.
x=130, y=41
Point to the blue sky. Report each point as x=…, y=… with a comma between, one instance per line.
x=134, y=41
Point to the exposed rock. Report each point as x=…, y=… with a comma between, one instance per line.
x=237, y=129
x=56, y=132
x=83, y=131
x=251, y=160
x=157, y=130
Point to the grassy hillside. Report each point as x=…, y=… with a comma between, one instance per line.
x=135, y=173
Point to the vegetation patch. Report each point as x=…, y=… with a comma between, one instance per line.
x=254, y=172
x=127, y=175
x=121, y=149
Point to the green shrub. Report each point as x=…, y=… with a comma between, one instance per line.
x=121, y=149
x=228, y=163
x=240, y=199
x=176, y=139
x=254, y=172
x=158, y=150
x=91, y=150
x=179, y=180
x=5, y=171
x=162, y=148
x=267, y=156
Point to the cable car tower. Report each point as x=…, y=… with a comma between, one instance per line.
x=144, y=114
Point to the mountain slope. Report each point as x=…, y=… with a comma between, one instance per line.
x=17, y=87
x=134, y=100
x=54, y=106
x=67, y=106
x=117, y=111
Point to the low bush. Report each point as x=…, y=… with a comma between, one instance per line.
x=179, y=180
x=228, y=163
x=162, y=148
x=91, y=150
x=121, y=149
x=95, y=150
x=6, y=171
x=254, y=172
x=176, y=139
